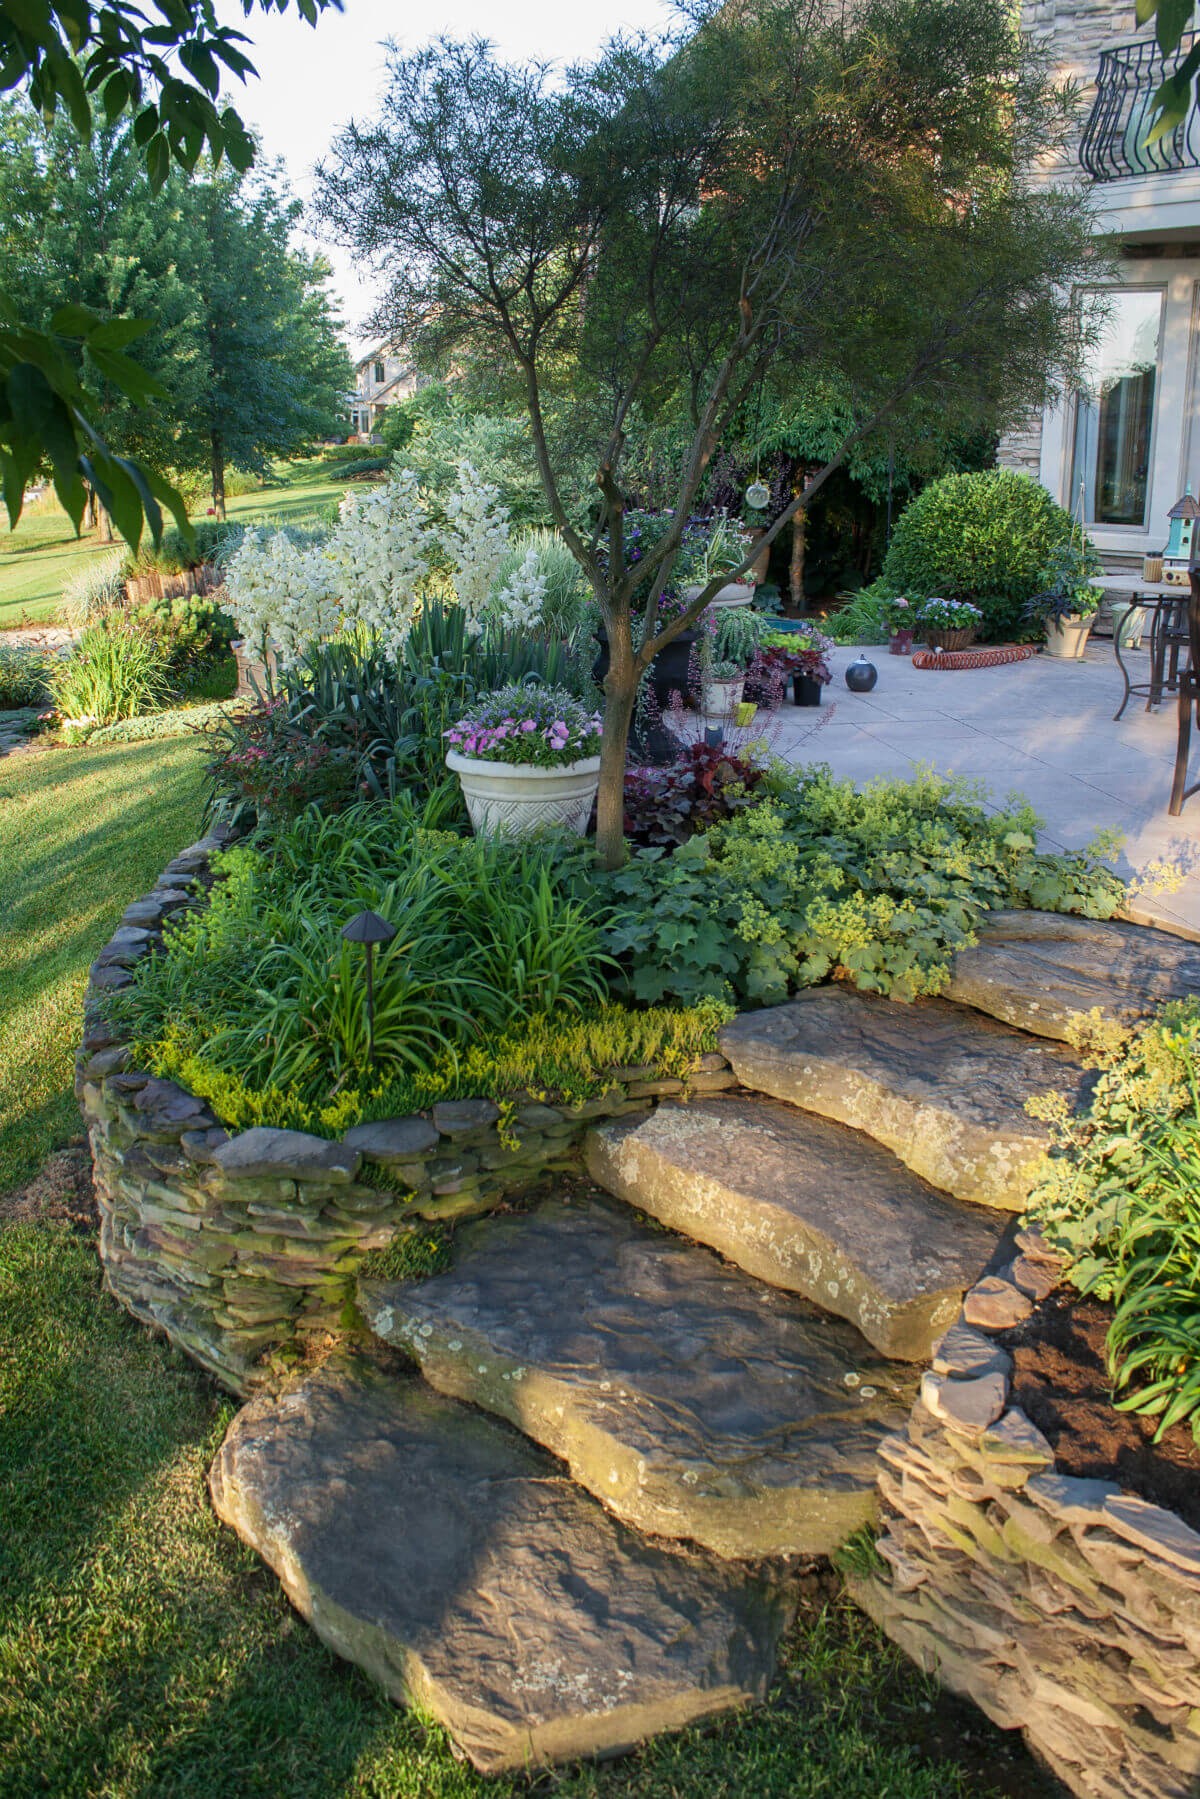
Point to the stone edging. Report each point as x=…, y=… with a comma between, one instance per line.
x=243, y=1248
x=1063, y=1607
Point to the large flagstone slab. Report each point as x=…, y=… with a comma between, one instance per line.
x=455, y=1563
x=1042, y=970
x=807, y=1205
x=693, y=1401
x=942, y=1087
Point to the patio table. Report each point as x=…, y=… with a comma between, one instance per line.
x=1165, y=606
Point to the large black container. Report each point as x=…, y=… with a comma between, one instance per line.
x=668, y=674
x=806, y=690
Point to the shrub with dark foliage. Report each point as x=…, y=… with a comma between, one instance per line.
x=666, y=806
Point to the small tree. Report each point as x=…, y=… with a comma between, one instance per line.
x=780, y=192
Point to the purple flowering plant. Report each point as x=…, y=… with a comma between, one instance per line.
x=545, y=726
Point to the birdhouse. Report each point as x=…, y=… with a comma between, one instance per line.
x=1178, y=554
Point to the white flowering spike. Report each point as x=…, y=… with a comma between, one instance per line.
x=519, y=604
x=281, y=595
x=475, y=541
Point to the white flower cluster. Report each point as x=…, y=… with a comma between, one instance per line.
x=280, y=594
x=519, y=604
x=380, y=551
x=475, y=542
x=368, y=573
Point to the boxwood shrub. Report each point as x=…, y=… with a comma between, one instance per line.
x=986, y=537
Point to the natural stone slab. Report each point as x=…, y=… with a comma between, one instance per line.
x=1070, y=1498
x=1152, y=1528
x=456, y=1117
x=966, y=1354
x=1015, y=1438
x=1041, y=970
x=451, y=1560
x=996, y=1305
x=292, y=1155
x=1038, y=1279
x=692, y=1401
x=940, y=1086
x=964, y=1404
x=806, y=1205
x=392, y=1139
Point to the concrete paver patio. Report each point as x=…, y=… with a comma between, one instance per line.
x=1042, y=728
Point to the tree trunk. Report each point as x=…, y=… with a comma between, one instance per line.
x=796, y=571
x=218, y=475
x=92, y=515
x=105, y=523
x=620, y=697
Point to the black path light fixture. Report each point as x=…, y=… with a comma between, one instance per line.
x=369, y=929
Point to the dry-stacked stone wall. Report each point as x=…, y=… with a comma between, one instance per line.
x=241, y=1247
x=1063, y=1607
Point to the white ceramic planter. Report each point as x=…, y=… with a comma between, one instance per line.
x=720, y=697
x=1068, y=637
x=734, y=593
x=515, y=799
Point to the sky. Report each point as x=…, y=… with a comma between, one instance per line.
x=314, y=79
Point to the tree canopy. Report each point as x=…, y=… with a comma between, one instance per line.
x=165, y=74
x=242, y=342
x=817, y=197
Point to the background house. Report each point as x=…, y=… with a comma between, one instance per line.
x=381, y=377
x=1125, y=449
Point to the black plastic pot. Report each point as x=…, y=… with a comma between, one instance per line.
x=806, y=690
x=668, y=674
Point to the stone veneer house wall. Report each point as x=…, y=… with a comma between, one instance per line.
x=381, y=377
x=1129, y=446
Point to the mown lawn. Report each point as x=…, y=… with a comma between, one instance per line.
x=144, y=1653
x=43, y=553
x=82, y=832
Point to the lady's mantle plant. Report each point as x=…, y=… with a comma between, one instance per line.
x=540, y=726
x=949, y=615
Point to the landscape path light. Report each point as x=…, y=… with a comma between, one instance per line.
x=369, y=929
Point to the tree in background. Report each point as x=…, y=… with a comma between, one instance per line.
x=243, y=346
x=786, y=193
x=164, y=74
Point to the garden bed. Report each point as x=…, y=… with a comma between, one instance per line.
x=1060, y=1380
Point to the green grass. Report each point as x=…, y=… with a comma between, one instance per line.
x=146, y=1654
x=43, y=553
x=82, y=832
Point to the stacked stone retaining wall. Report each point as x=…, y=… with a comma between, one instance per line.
x=242, y=1247
x=1063, y=1607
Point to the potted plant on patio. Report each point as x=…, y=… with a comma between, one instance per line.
x=900, y=620
x=801, y=657
x=527, y=758
x=949, y=624
x=1068, y=604
x=713, y=547
x=724, y=682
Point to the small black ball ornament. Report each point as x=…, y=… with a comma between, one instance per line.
x=861, y=675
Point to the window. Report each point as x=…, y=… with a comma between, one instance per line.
x=1114, y=413
x=378, y=373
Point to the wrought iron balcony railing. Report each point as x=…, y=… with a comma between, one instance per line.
x=1113, y=144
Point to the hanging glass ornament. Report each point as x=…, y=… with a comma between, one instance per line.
x=757, y=495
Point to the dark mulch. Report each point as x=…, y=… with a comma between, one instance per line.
x=61, y=1192
x=1060, y=1380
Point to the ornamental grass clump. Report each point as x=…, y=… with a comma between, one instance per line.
x=544, y=727
x=114, y=671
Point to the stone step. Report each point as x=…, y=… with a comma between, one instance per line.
x=453, y=1561
x=694, y=1402
x=942, y=1087
x=1041, y=970
x=807, y=1205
